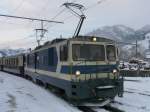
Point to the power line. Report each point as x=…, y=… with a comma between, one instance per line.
x=58, y=14
x=89, y=7
x=28, y=18
x=94, y=5
x=15, y=9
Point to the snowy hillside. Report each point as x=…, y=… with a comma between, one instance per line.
x=10, y=52
x=121, y=32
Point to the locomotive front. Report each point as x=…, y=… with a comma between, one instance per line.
x=94, y=70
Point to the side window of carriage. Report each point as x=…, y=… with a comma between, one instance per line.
x=63, y=53
x=117, y=51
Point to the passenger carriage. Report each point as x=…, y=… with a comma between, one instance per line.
x=13, y=64
x=1, y=63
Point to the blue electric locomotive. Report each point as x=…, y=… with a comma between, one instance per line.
x=84, y=68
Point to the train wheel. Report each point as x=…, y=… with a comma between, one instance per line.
x=40, y=83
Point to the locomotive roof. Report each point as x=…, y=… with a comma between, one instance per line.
x=90, y=38
x=79, y=38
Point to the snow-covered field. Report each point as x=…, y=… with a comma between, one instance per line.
x=20, y=95
x=136, y=96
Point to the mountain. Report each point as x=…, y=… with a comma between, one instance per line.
x=121, y=33
x=11, y=52
x=142, y=32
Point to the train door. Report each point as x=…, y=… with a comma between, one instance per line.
x=35, y=61
x=52, y=59
x=31, y=61
x=63, y=56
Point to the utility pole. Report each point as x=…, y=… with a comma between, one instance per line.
x=128, y=43
x=136, y=48
x=42, y=32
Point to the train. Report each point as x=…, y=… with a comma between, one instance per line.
x=84, y=68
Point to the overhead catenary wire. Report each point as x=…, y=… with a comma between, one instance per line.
x=59, y=13
x=29, y=18
x=94, y=5
x=15, y=9
x=86, y=9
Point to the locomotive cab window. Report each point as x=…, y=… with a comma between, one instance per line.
x=63, y=53
x=88, y=52
x=111, y=52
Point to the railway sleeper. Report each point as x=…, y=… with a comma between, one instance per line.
x=111, y=108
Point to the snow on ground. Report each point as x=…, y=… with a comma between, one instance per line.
x=20, y=95
x=136, y=96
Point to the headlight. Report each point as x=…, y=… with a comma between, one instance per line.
x=77, y=73
x=94, y=39
x=114, y=71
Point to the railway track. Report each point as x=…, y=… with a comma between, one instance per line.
x=86, y=109
x=112, y=109
x=107, y=108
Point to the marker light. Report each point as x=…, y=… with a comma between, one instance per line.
x=94, y=39
x=114, y=71
x=77, y=73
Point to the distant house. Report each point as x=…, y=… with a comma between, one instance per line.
x=146, y=44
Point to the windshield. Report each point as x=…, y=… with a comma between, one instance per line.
x=111, y=53
x=88, y=52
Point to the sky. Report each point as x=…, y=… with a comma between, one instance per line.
x=15, y=33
